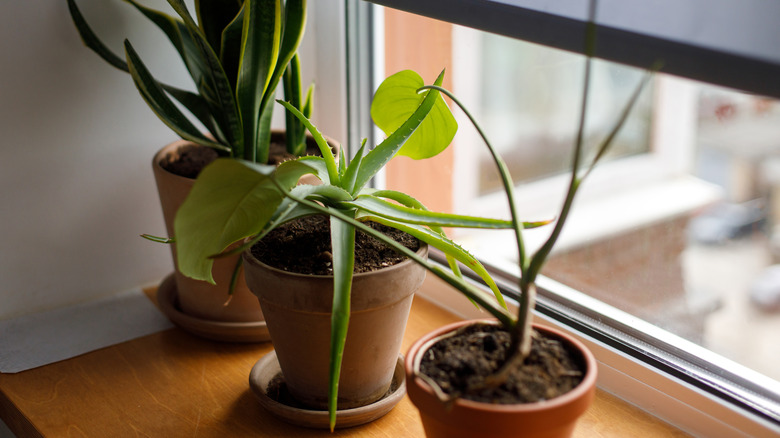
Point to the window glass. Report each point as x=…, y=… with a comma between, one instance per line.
x=528, y=99
x=677, y=228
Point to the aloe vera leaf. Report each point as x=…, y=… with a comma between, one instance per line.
x=342, y=237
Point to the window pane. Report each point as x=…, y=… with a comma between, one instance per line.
x=676, y=228
x=528, y=99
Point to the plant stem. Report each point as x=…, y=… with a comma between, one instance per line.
x=521, y=332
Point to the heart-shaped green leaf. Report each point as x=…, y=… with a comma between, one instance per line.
x=396, y=99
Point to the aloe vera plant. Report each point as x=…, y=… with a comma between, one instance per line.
x=234, y=200
x=236, y=53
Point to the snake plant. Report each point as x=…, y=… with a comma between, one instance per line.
x=236, y=53
x=234, y=200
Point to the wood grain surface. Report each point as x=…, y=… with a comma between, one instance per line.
x=172, y=384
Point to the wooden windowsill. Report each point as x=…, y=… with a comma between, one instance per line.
x=173, y=384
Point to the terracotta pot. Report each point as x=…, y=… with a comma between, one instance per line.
x=297, y=308
x=553, y=418
x=199, y=298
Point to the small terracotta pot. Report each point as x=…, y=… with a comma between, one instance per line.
x=553, y=418
x=199, y=298
x=297, y=309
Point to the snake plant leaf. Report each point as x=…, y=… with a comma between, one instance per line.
x=214, y=16
x=161, y=104
x=260, y=38
x=193, y=102
x=263, y=139
x=292, y=33
x=213, y=84
x=181, y=38
x=405, y=214
x=396, y=99
x=174, y=29
x=230, y=47
x=92, y=41
x=235, y=197
x=342, y=236
x=385, y=151
x=325, y=150
x=308, y=103
x=198, y=107
x=296, y=138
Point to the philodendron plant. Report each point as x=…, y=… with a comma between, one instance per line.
x=236, y=54
x=237, y=200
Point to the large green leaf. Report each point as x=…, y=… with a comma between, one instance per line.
x=396, y=99
x=289, y=210
x=385, y=151
x=260, y=38
x=231, y=200
x=161, y=104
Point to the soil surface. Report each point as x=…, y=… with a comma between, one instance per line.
x=303, y=246
x=461, y=361
x=189, y=160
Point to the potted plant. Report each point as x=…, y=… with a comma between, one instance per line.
x=505, y=377
x=236, y=54
x=237, y=200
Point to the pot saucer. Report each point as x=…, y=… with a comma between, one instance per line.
x=167, y=298
x=268, y=367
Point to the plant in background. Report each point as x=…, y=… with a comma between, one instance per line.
x=233, y=200
x=236, y=54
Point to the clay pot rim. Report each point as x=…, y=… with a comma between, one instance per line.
x=158, y=157
x=414, y=357
x=250, y=258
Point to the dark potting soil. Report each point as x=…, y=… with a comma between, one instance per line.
x=189, y=160
x=303, y=246
x=459, y=362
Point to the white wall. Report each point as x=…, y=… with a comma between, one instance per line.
x=77, y=141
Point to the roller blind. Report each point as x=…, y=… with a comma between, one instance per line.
x=734, y=43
